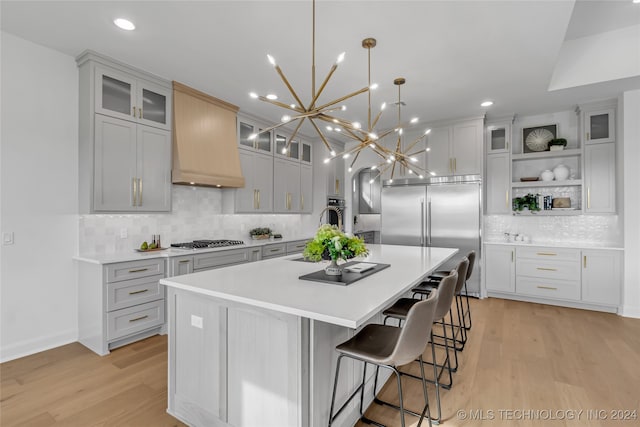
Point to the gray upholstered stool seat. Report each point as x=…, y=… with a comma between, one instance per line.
x=389, y=347
x=400, y=308
x=374, y=343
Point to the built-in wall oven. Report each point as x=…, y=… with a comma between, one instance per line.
x=335, y=205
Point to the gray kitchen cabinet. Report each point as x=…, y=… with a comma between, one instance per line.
x=292, y=153
x=498, y=137
x=257, y=194
x=132, y=167
x=601, y=276
x=295, y=247
x=180, y=265
x=122, y=95
x=500, y=268
x=335, y=177
x=286, y=186
x=600, y=178
x=274, y=250
x=120, y=303
x=599, y=125
x=370, y=193
x=262, y=143
x=224, y=258
x=456, y=148
x=125, y=138
x=498, y=184
x=306, y=188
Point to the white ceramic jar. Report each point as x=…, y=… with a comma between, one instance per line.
x=561, y=172
x=547, y=175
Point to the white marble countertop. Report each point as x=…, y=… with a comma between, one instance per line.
x=569, y=245
x=173, y=252
x=273, y=284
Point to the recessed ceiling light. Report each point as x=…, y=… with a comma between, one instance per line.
x=636, y=1
x=487, y=104
x=125, y=24
x=272, y=96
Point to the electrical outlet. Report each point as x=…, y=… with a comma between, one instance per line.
x=7, y=238
x=196, y=321
x=123, y=233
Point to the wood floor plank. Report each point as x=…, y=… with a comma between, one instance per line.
x=520, y=358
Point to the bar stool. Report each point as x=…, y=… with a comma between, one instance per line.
x=445, y=293
x=389, y=347
x=425, y=288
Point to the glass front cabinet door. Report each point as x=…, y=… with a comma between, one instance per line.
x=498, y=138
x=247, y=138
x=600, y=126
x=123, y=96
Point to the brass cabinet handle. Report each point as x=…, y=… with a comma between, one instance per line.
x=138, y=270
x=512, y=256
x=546, y=269
x=183, y=261
x=141, y=291
x=450, y=164
x=337, y=186
x=258, y=199
x=584, y=261
x=547, y=287
x=135, y=191
x=140, y=112
x=139, y=318
x=255, y=199
x=455, y=164
x=588, y=134
x=302, y=201
x=506, y=198
x=134, y=111
x=506, y=145
x=274, y=250
x=140, y=191
x=588, y=197
x=546, y=253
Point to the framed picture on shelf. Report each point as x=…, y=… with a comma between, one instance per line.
x=536, y=138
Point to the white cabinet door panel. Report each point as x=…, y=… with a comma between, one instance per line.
x=500, y=268
x=154, y=169
x=601, y=276
x=498, y=184
x=600, y=178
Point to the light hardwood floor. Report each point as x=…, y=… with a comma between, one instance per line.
x=520, y=358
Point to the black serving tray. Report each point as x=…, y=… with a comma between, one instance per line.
x=346, y=278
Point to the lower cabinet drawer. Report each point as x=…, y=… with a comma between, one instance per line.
x=212, y=260
x=548, y=288
x=548, y=269
x=134, y=269
x=135, y=319
x=132, y=292
x=295, y=247
x=274, y=250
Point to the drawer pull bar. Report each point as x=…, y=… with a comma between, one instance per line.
x=274, y=250
x=138, y=270
x=139, y=318
x=547, y=287
x=141, y=291
x=546, y=253
x=546, y=269
x=183, y=261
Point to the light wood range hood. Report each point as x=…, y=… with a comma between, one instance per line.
x=205, y=150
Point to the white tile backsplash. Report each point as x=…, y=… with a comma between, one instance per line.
x=602, y=230
x=197, y=214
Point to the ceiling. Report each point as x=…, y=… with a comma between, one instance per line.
x=453, y=54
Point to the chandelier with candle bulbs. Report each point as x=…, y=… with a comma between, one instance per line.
x=391, y=158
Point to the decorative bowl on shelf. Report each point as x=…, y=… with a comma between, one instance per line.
x=547, y=175
x=529, y=178
x=538, y=140
x=561, y=172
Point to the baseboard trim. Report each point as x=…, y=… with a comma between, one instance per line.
x=36, y=345
x=630, y=311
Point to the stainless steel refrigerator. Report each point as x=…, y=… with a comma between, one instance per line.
x=443, y=212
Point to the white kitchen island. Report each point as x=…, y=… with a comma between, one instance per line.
x=252, y=345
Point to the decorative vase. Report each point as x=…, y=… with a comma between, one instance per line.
x=561, y=172
x=547, y=175
x=333, y=269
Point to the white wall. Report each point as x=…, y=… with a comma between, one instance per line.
x=39, y=179
x=631, y=147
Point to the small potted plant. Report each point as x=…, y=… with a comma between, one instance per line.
x=332, y=244
x=557, y=144
x=260, y=233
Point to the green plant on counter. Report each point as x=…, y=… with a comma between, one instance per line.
x=527, y=201
x=260, y=231
x=558, y=141
x=331, y=243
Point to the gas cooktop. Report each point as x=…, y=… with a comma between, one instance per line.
x=203, y=244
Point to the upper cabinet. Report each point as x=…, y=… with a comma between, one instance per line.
x=125, y=138
x=599, y=126
x=498, y=137
x=247, y=139
x=124, y=96
x=456, y=148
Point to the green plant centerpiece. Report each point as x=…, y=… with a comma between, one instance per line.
x=260, y=233
x=332, y=244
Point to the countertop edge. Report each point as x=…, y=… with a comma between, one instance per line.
x=555, y=245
